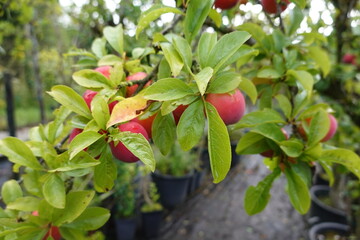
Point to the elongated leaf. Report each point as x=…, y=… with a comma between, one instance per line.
x=321, y=58
x=216, y=17
x=98, y=47
x=292, y=147
x=167, y=89
x=328, y=170
x=206, y=43
x=81, y=160
x=191, y=125
x=173, y=58
x=25, y=204
x=256, y=198
x=298, y=191
x=164, y=132
x=109, y=60
x=18, y=152
x=304, y=78
x=260, y=117
x=296, y=17
x=254, y=29
x=115, y=36
x=271, y=131
x=82, y=141
x=105, y=173
x=76, y=203
x=11, y=191
x=196, y=14
x=319, y=127
x=249, y=88
x=151, y=15
x=252, y=143
x=53, y=131
x=54, y=191
x=71, y=100
x=100, y=111
x=184, y=50
x=91, y=79
x=202, y=79
x=91, y=219
x=300, y=3
x=268, y=73
x=224, y=82
x=284, y=104
x=218, y=144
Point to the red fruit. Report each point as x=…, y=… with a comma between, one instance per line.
x=35, y=213
x=330, y=133
x=225, y=4
x=112, y=105
x=270, y=6
x=120, y=151
x=54, y=233
x=178, y=112
x=349, y=59
x=270, y=153
x=104, y=70
x=243, y=1
x=137, y=76
x=231, y=107
x=146, y=123
x=88, y=96
x=74, y=133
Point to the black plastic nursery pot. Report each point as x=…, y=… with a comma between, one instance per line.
x=172, y=190
x=125, y=228
x=195, y=181
x=235, y=158
x=328, y=230
x=321, y=212
x=151, y=224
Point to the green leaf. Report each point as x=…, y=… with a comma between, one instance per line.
x=249, y=88
x=298, y=191
x=196, y=13
x=224, y=82
x=81, y=160
x=284, y=104
x=71, y=100
x=301, y=100
x=296, y=17
x=115, y=37
x=256, y=198
x=292, y=147
x=98, y=47
x=91, y=219
x=139, y=146
x=184, y=50
x=82, y=141
x=254, y=29
x=321, y=58
x=167, y=89
x=206, y=44
x=53, y=130
x=303, y=170
x=319, y=127
x=11, y=191
x=164, y=132
x=202, y=79
x=218, y=144
x=100, y=111
x=24, y=204
x=151, y=15
x=280, y=41
x=268, y=73
x=225, y=48
x=345, y=157
x=54, y=190
x=106, y=172
x=18, y=152
x=92, y=79
x=304, y=78
x=312, y=110
x=216, y=17
x=271, y=131
x=328, y=170
x=260, y=117
x=109, y=59
x=76, y=203
x=173, y=58
x=164, y=69
x=191, y=125
x=300, y=3
x=252, y=143
x=266, y=98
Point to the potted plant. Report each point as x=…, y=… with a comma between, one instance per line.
x=151, y=210
x=329, y=231
x=173, y=175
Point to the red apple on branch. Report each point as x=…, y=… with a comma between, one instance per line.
x=146, y=123
x=178, y=112
x=349, y=59
x=104, y=70
x=330, y=133
x=225, y=4
x=137, y=76
x=271, y=6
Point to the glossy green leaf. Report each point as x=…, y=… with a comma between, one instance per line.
x=81, y=160
x=280, y=41
x=254, y=29
x=249, y=88
x=91, y=219
x=167, y=89
x=257, y=197
x=260, y=117
x=252, y=143
x=173, y=58
x=98, y=47
x=18, y=152
x=301, y=101
x=206, y=44
x=139, y=146
x=184, y=50
x=92, y=79
x=224, y=82
x=151, y=15
x=61, y=115
x=268, y=73
x=164, y=132
x=319, y=127
x=115, y=37
x=215, y=17
x=71, y=100
x=303, y=170
x=225, y=48
x=300, y=3
x=191, y=126
x=196, y=13
x=164, y=69
x=298, y=191
x=76, y=203
x=328, y=170
x=24, y=204
x=82, y=141
x=292, y=147
x=345, y=157
x=312, y=110
x=321, y=58
x=100, y=111
x=266, y=98
x=11, y=191
x=284, y=104
x=218, y=144
x=202, y=79
x=109, y=60
x=271, y=131
x=296, y=17
x=106, y=172
x=304, y=78
x=54, y=190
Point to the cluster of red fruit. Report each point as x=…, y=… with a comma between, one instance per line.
x=349, y=59
x=269, y=6
x=230, y=106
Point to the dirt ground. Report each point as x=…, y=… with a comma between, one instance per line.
x=216, y=212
